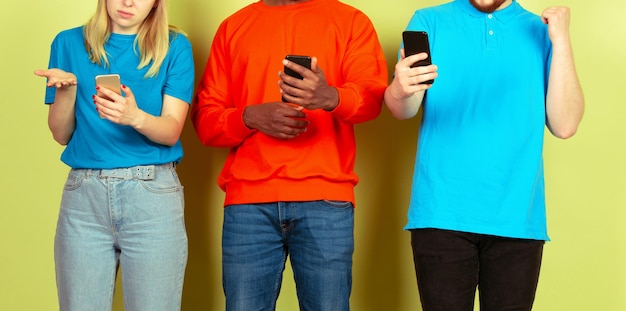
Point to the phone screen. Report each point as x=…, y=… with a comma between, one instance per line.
x=416, y=42
x=302, y=60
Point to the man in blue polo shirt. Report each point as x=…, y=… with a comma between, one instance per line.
x=477, y=209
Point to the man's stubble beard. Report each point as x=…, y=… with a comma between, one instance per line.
x=487, y=8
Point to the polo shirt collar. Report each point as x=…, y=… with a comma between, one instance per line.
x=503, y=15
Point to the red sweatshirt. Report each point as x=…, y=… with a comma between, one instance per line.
x=242, y=70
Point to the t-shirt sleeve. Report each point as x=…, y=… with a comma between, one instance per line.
x=180, y=70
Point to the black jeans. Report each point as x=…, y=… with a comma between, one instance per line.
x=449, y=265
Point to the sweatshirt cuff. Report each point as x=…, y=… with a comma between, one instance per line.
x=344, y=108
x=239, y=128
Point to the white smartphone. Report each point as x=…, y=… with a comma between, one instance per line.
x=111, y=82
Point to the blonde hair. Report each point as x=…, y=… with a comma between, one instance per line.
x=152, y=39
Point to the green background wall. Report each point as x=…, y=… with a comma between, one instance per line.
x=583, y=267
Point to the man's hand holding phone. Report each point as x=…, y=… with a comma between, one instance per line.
x=416, y=42
x=304, y=84
x=414, y=72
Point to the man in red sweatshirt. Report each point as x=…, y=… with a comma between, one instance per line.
x=289, y=177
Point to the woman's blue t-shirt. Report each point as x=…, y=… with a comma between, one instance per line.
x=98, y=143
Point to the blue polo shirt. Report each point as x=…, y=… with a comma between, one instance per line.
x=98, y=143
x=479, y=165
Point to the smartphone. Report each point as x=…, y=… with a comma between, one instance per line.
x=302, y=60
x=111, y=82
x=416, y=42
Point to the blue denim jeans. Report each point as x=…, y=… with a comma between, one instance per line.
x=450, y=265
x=130, y=217
x=318, y=238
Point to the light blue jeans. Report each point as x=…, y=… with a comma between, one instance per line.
x=317, y=236
x=130, y=217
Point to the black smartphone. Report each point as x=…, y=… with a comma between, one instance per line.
x=416, y=42
x=302, y=60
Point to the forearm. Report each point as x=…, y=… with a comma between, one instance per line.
x=402, y=107
x=61, y=115
x=565, y=100
x=163, y=130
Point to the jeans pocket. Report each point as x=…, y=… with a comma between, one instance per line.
x=165, y=182
x=337, y=204
x=73, y=182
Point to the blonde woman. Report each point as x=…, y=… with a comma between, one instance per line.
x=122, y=204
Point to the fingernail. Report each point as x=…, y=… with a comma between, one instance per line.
x=97, y=87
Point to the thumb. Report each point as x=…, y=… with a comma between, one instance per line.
x=314, y=67
x=40, y=72
x=127, y=91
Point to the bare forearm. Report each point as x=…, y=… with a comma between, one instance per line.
x=405, y=94
x=163, y=130
x=61, y=115
x=402, y=107
x=565, y=100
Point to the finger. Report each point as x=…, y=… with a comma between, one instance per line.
x=99, y=102
x=412, y=59
x=295, y=67
x=551, y=13
x=289, y=132
x=317, y=74
x=296, y=112
x=291, y=90
x=314, y=67
x=105, y=93
x=546, y=16
x=286, y=136
x=288, y=82
x=419, y=56
x=302, y=98
x=296, y=123
x=62, y=83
